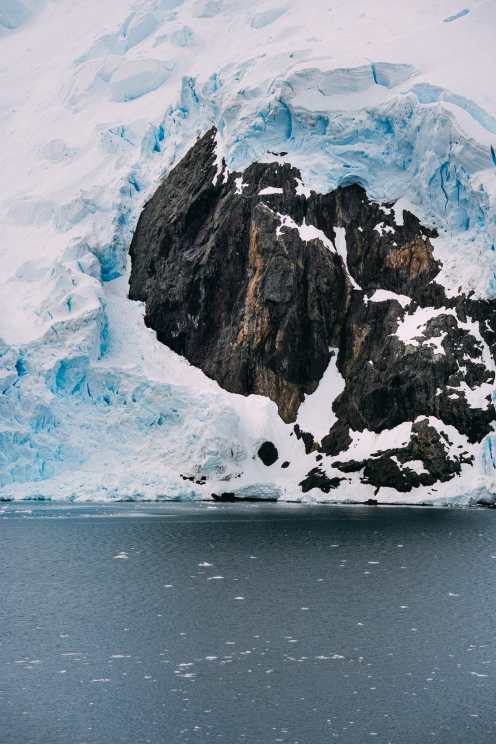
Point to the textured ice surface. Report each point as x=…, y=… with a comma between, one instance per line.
x=93, y=114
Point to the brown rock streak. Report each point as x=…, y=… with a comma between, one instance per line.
x=255, y=321
x=414, y=258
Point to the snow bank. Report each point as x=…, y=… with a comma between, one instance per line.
x=135, y=79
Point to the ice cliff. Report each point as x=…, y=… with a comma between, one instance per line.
x=99, y=102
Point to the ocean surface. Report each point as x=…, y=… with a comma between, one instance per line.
x=250, y=623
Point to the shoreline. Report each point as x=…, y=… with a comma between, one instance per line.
x=241, y=502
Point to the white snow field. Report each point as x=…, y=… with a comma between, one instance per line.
x=98, y=100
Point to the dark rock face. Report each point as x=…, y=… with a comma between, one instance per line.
x=391, y=467
x=317, y=478
x=229, y=497
x=254, y=310
x=254, y=282
x=268, y=453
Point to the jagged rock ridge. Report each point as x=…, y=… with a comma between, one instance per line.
x=255, y=280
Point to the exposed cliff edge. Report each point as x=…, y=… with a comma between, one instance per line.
x=259, y=283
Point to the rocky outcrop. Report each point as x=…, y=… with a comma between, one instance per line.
x=398, y=467
x=254, y=280
x=254, y=309
x=268, y=453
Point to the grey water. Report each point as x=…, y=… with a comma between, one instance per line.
x=179, y=623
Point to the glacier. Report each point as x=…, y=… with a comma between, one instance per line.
x=393, y=98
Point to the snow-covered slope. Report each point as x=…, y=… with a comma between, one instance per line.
x=98, y=100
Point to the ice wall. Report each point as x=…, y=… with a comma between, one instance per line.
x=91, y=406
